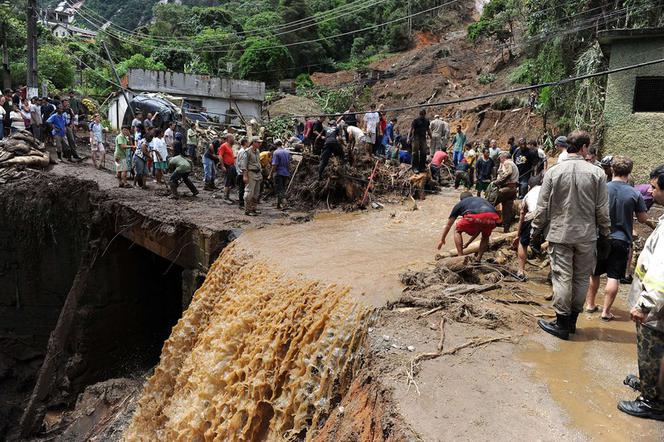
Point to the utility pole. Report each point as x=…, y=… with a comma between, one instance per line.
x=6, y=79
x=410, y=19
x=117, y=77
x=33, y=86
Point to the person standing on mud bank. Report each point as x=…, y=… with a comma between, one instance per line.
x=478, y=216
x=419, y=130
x=58, y=124
x=252, y=176
x=120, y=156
x=624, y=203
x=98, y=152
x=371, y=121
x=528, y=207
x=227, y=165
x=646, y=301
x=333, y=143
x=317, y=136
x=440, y=132
x=483, y=169
x=71, y=117
x=573, y=205
x=159, y=155
x=140, y=160
x=506, y=184
x=280, y=172
x=240, y=157
x=458, y=142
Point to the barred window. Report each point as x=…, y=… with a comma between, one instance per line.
x=649, y=94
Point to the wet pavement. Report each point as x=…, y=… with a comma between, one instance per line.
x=584, y=375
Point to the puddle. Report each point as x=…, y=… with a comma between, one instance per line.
x=584, y=375
x=366, y=250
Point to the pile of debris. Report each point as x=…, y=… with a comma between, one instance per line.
x=354, y=184
x=18, y=152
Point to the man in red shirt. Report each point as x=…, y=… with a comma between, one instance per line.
x=439, y=158
x=227, y=165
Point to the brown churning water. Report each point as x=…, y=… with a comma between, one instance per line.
x=257, y=356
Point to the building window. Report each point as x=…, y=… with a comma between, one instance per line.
x=649, y=94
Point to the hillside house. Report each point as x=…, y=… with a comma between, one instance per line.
x=634, y=104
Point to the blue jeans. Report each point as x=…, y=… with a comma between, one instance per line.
x=191, y=150
x=209, y=167
x=2, y=129
x=457, y=157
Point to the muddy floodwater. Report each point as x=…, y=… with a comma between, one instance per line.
x=584, y=375
x=368, y=250
x=364, y=250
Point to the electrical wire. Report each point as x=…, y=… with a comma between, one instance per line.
x=214, y=49
x=312, y=20
x=503, y=92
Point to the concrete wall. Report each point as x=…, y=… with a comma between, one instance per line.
x=637, y=135
x=177, y=83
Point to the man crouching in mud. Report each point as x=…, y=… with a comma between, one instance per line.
x=646, y=301
x=477, y=216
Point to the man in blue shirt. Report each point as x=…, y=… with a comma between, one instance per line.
x=624, y=202
x=458, y=142
x=280, y=171
x=58, y=124
x=388, y=136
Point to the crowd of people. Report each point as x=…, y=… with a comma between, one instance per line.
x=584, y=210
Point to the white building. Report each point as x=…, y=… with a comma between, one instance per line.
x=224, y=98
x=60, y=21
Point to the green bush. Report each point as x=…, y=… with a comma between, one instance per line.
x=486, y=78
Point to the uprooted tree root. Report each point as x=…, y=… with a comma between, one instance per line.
x=354, y=185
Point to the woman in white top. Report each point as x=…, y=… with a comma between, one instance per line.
x=159, y=152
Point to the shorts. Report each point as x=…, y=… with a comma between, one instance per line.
x=97, y=146
x=474, y=223
x=524, y=233
x=481, y=186
x=121, y=166
x=161, y=165
x=615, y=264
x=370, y=138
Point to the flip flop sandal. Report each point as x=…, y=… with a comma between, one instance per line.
x=608, y=318
x=592, y=310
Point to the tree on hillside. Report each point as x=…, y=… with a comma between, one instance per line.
x=264, y=59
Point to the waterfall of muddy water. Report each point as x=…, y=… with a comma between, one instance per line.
x=257, y=356
x=271, y=338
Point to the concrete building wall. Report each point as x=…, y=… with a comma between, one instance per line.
x=638, y=135
x=177, y=83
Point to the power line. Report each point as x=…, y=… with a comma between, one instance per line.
x=213, y=49
x=313, y=20
x=503, y=92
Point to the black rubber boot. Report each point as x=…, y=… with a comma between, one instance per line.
x=174, y=190
x=641, y=407
x=572, y=322
x=633, y=382
x=558, y=328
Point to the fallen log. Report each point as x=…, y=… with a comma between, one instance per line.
x=494, y=243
